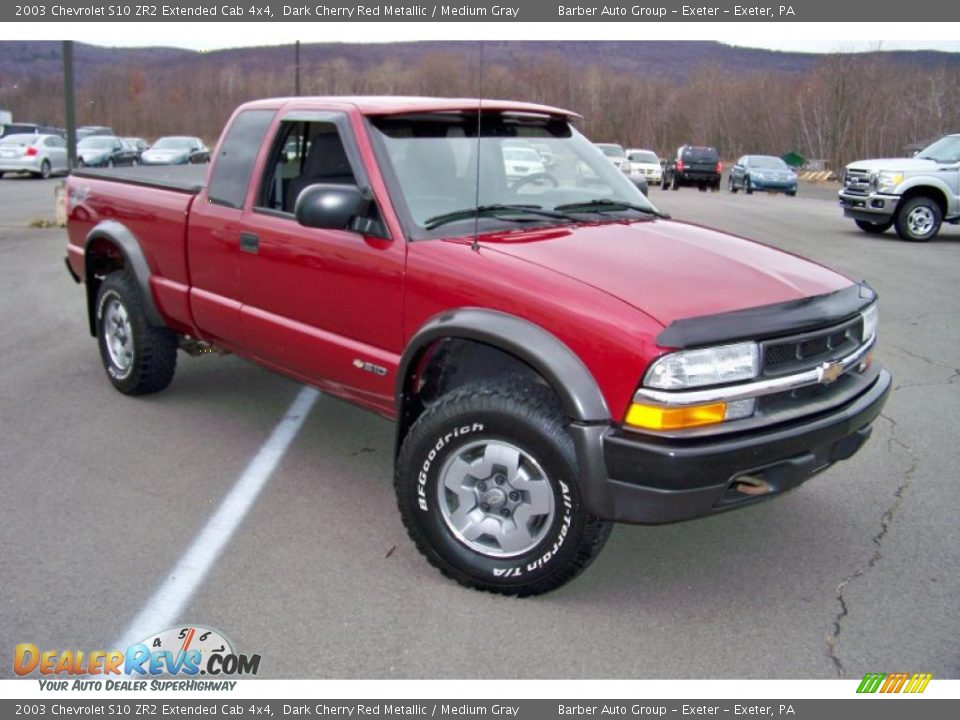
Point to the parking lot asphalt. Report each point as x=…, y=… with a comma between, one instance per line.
x=857, y=571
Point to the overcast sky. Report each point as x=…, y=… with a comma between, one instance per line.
x=794, y=36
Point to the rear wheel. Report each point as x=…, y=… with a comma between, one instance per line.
x=488, y=488
x=730, y=185
x=918, y=219
x=874, y=228
x=674, y=183
x=45, y=169
x=139, y=358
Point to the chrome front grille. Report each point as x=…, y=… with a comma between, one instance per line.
x=783, y=356
x=857, y=182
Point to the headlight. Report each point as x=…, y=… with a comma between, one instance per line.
x=869, y=322
x=887, y=180
x=705, y=366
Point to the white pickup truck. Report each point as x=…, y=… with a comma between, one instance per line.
x=916, y=195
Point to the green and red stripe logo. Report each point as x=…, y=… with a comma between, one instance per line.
x=894, y=682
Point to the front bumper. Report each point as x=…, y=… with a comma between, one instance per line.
x=778, y=185
x=635, y=478
x=875, y=207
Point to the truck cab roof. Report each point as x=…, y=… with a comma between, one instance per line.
x=391, y=105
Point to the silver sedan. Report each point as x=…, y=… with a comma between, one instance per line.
x=39, y=155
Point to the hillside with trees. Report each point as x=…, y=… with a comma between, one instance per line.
x=655, y=94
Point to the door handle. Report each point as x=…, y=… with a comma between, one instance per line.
x=249, y=243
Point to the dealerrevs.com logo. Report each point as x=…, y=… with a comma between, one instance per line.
x=182, y=652
x=894, y=683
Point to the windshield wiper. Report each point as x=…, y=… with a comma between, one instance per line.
x=496, y=210
x=600, y=204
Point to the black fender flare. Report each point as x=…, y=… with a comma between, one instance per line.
x=574, y=384
x=134, y=258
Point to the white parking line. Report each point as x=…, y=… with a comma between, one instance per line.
x=164, y=608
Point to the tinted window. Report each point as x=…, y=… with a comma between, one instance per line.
x=238, y=152
x=700, y=154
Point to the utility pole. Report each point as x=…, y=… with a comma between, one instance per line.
x=70, y=114
x=296, y=61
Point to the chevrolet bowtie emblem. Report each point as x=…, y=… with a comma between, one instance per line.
x=830, y=371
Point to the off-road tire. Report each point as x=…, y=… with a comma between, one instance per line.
x=872, y=228
x=526, y=416
x=908, y=227
x=153, y=352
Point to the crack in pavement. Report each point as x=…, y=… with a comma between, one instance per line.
x=885, y=521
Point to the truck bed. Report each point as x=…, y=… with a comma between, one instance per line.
x=178, y=178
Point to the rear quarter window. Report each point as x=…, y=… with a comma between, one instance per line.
x=238, y=153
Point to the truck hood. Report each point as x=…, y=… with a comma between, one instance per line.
x=895, y=164
x=671, y=270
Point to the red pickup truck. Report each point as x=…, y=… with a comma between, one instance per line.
x=557, y=354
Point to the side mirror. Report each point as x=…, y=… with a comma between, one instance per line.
x=330, y=206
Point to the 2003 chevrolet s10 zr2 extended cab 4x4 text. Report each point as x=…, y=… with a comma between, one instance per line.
x=557, y=354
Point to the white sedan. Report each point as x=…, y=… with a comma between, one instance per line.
x=39, y=155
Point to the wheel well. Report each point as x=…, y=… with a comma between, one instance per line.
x=933, y=193
x=101, y=257
x=446, y=364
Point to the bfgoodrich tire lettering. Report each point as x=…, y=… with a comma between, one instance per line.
x=138, y=357
x=510, y=520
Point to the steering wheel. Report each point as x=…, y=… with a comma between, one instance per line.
x=536, y=178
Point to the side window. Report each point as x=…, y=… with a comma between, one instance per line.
x=238, y=152
x=304, y=153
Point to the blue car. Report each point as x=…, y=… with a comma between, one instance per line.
x=762, y=172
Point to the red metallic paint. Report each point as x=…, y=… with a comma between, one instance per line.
x=313, y=301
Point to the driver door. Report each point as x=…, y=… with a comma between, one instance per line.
x=324, y=305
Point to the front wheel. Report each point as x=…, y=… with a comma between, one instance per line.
x=488, y=488
x=747, y=188
x=731, y=186
x=139, y=358
x=918, y=219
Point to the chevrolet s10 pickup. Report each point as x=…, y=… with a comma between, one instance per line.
x=557, y=354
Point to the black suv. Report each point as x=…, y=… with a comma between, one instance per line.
x=692, y=165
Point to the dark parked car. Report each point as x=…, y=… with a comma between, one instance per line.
x=138, y=144
x=762, y=172
x=30, y=129
x=693, y=165
x=176, y=150
x=106, y=151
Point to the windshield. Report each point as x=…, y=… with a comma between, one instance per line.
x=431, y=161
x=611, y=150
x=644, y=156
x=767, y=162
x=520, y=155
x=96, y=142
x=945, y=150
x=173, y=143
